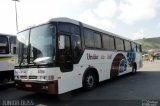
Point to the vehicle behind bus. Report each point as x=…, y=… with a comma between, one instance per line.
x=7, y=58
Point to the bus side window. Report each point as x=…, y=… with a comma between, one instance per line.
x=12, y=41
x=134, y=47
x=139, y=49
x=119, y=44
x=108, y=42
x=105, y=40
x=111, y=42
x=127, y=46
x=14, y=50
x=89, y=38
x=67, y=45
x=97, y=40
x=4, y=46
x=76, y=44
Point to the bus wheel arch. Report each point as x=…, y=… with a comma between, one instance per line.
x=90, y=74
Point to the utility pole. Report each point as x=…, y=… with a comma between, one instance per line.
x=16, y=14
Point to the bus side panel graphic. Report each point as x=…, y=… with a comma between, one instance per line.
x=119, y=65
x=131, y=58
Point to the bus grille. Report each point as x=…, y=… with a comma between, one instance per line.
x=23, y=77
x=32, y=77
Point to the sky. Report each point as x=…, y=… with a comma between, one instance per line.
x=133, y=19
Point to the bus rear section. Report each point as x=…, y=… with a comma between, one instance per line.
x=7, y=58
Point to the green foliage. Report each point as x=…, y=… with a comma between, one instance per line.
x=149, y=43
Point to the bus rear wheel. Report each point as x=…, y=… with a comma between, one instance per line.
x=89, y=81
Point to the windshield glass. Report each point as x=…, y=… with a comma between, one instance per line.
x=23, y=39
x=43, y=44
x=39, y=43
x=3, y=45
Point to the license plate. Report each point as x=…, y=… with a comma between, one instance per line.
x=28, y=85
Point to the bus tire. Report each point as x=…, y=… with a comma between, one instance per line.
x=89, y=81
x=134, y=69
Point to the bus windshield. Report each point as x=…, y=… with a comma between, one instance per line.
x=4, y=45
x=37, y=45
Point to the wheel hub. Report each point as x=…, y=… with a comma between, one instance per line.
x=90, y=81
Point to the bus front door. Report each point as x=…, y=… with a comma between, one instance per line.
x=65, y=53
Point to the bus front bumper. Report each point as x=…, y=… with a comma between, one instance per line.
x=49, y=87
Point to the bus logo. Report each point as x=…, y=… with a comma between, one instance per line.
x=92, y=57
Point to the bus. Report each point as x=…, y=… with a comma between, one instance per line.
x=64, y=54
x=7, y=58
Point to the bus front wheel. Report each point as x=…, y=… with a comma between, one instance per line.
x=89, y=81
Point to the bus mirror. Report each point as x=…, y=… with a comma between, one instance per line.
x=61, y=42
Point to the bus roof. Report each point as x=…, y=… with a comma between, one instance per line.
x=64, y=19
x=68, y=20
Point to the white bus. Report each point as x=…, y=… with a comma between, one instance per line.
x=64, y=54
x=7, y=58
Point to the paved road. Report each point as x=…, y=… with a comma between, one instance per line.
x=126, y=90
x=151, y=66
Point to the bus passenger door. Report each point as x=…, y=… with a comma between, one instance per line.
x=65, y=53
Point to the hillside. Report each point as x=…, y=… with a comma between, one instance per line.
x=150, y=43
